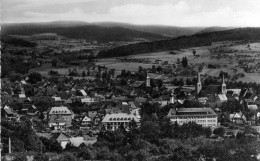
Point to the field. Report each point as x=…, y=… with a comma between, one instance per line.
x=231, y=57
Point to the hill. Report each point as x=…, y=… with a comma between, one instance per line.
x=204, y=39
x=80, y=30
x=17, y=41
x=172, y=31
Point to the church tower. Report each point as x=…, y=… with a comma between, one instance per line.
x=223, y=85
x=198, y=85
x=147, y=80
x=172, y=98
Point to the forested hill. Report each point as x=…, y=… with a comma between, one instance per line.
x=86, y=31
x=250, y=34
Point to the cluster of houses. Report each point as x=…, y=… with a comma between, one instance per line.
x=79, y=110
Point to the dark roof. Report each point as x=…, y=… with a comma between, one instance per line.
x=212, y=89
x=56, y=119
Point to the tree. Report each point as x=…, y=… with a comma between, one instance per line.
x=54, y=63
x=194, y=52
x=219, y=131
x=181, y=82
x=41, y=157
x=88, y=73
x=123, y=73
x=159, y=69
x=188, y=81
x=160, y=83
x=83, y=74
x=34, y=77
x=184, y=62
x=86, y=153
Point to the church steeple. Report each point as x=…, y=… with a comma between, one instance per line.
x=147, y=80
x=198, y=85
x=223, y=85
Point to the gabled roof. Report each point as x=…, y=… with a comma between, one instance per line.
x=120, y=117
x=77, y=141
x=60, y=110
x=252, y=107
x=60, y=137
x=86, y=118
x=222, y=97
x=57, y=119
x=56, y=98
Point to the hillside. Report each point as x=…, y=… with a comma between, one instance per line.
x=80, y=30
x=172, y=31
x=204, y=39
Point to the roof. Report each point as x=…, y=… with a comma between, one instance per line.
x=235, y=91
x=60, y=110
x=60, y=136
x=222, y=97
x=22, y=96
x=196, y=111
x=87, y=100
x=237, y=115
x=86, y=118
x=83, y=92
x=8, y=110
x=252, y=107
x=120, y=117
x=56, y=98
x=57, y=119
x=212, y=89
x=77, y=141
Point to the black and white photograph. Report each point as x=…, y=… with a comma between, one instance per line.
x=130, y=80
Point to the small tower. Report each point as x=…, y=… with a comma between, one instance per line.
x=223, y=85
x=198, y=85
x=147, y=80
x=172, y=98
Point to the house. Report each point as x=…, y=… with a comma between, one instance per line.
x=86, y=121
x=63, y=111
x=257, y=128
x=202, y=116
x=114, y=121
x=62, y=138
x=57, y=122
x=87, y=100
x=76, y=141
x=8, y=112
x=238, y=118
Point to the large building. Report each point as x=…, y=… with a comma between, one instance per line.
x=115, y=120
x=202, y=116
x=64, y=112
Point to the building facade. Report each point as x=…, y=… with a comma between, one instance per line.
x=115, y=120
x=202, y=116
x=64, y=112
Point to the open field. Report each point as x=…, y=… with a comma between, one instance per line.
x=228, y=59
x=225, y=56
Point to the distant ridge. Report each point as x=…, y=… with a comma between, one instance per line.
x=103, y=31
x=81, y=30
x=204, y=39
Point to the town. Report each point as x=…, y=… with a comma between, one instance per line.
x=94, y=112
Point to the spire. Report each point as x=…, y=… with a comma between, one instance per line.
x=223, y=85
x=198, y=76
x=223, y=79
x=198, y=86
x=10, y=148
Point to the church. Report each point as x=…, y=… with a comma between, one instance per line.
x=210, y=90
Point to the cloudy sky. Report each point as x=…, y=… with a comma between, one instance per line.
x=162, y=12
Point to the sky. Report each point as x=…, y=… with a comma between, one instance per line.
x=185, y=13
